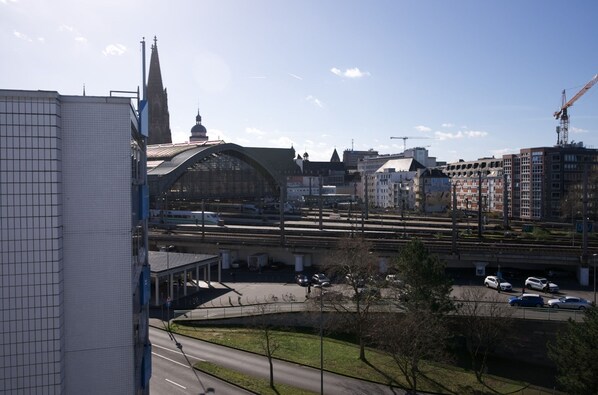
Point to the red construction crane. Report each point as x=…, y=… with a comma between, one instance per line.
x=563, y=129
x=409, y=137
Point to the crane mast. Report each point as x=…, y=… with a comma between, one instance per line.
x=563, y=129
x=409, y=137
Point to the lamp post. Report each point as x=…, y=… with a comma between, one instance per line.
x=321, y=340
x=594, y=259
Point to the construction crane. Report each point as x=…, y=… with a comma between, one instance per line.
x=562, y=131
x=409, y=137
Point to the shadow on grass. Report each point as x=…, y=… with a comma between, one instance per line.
x=390, y=381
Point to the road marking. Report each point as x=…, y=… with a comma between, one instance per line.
x=178, y=352
x=177, y=384
x=171, y=360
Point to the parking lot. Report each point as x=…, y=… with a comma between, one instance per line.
x=243, y=288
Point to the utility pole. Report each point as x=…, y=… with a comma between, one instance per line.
x=584, y=221
x=479, y=204
x=320, y=201
x=505, y=200
x=454, y=217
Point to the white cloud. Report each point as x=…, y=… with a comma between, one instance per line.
x=296, y=76
x=66, y=28
x=114, y=49
x=421, y=128
x=577, y=130
x=475, y=133
x=448, y=125
x=314, y=101
x=350, y=73
x=21, y=36
x=8, y=1
x=81, y=39
x=460, y=135
x=448, y=135
x=255, y=132
x=41, y=40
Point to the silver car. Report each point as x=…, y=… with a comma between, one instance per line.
x=569, y=302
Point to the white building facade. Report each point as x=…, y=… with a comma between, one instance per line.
x=73, y=236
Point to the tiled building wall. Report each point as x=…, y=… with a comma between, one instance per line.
x=97, y=246
x=31, y=277
x=66, y=270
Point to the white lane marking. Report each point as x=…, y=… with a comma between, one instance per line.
x=178, y=351
x=171, y=360
x=177, y=384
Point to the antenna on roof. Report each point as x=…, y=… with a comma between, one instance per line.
x=143, y=84
x=83, y=89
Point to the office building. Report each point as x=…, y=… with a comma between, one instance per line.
x=73, y=260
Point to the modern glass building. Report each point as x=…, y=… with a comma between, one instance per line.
x=73, y=234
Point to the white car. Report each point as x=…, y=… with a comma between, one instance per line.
x=569, y=302
x=494, y=281
x=541, y=284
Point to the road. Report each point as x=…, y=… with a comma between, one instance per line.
x=171, y=373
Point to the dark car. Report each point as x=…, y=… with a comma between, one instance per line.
x=302, y=280
x=320, y=279
x=527, y=300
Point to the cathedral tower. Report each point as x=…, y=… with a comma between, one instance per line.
x=159, y=118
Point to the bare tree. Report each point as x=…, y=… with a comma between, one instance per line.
x=484, y=324
x=353, y=261
x=268, y=339
x=412, y=338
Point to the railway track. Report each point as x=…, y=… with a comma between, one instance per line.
x=387, y=235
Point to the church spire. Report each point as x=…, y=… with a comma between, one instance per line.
x=159, y=117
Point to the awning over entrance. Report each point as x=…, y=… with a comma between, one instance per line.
x=175, y=271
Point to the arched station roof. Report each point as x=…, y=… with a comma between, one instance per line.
x=168, y=162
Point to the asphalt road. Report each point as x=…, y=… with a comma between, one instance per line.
x=170, y=369
x=172, y=375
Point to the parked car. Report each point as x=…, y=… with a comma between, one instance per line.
x=527, y=300
x=302, y=280
x=541, y=284
x=393, y=279
x=495, y=282
x=569, y=302
x=320, y=279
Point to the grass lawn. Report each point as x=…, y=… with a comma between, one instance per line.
x=343, y=357
x=257, y=385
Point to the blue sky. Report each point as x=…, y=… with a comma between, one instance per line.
x=475, y=78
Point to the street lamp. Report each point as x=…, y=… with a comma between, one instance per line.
x=321, y=340
x=594, y=259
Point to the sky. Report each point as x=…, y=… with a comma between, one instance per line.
x=466, y=79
